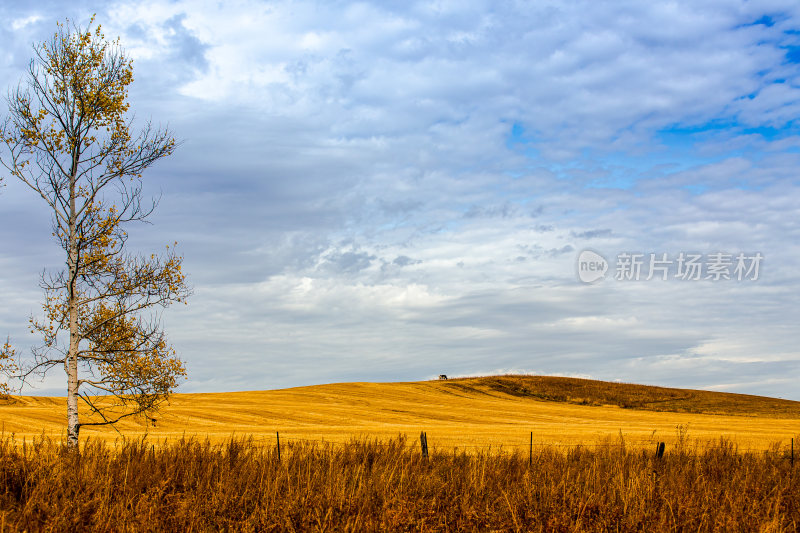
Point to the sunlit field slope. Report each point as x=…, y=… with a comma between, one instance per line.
x=469, y=413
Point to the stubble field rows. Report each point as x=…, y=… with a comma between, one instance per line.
x=464, y=413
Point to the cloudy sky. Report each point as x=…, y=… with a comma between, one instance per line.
x=389, y=191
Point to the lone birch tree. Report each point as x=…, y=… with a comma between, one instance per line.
x=68, y=137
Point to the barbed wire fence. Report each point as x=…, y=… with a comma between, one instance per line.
x=282, y=443
x=682, y=444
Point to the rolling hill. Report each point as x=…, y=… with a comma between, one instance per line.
x=631, y=396
x=464, y=413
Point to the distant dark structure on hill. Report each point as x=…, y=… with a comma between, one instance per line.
x=442, y=376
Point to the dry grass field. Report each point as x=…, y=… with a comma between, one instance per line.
x=350, y=460
x=365, y=486
x=469, y=413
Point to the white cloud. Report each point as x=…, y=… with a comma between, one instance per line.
x=323, y=142
x=18, y=24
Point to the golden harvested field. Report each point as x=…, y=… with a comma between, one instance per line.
x=469, y=413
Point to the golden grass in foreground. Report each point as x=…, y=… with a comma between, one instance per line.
x=365, y=486
x=466, y=413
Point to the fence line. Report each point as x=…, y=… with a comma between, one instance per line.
x=686, y=445
x=682, y=443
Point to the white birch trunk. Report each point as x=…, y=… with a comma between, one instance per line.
x=71, y=364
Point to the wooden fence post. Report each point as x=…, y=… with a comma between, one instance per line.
x=278, y=438
x=660, y=450
x=530, y=452
x=657, y=470
x=423, y=440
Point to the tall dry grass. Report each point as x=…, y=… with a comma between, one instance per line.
x=387, y=486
